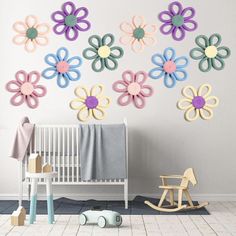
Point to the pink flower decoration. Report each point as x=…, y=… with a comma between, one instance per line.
x=133, y=88
x=26, y=89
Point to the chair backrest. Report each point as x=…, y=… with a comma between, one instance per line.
x=189, y=176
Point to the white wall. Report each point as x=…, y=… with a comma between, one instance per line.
x=160, y=140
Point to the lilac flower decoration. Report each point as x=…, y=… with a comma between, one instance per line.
x=177, y=20
x=70, y=21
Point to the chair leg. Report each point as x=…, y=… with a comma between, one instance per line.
x=188, y=198
x=172, y=197
x=163, y=196
x=180, y=196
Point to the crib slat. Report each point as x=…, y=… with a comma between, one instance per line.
x=72, y=154
x=68, y=154
x=49, y=145
x=63, y=155
x=77, y=152
x=58, y=154
x=44, y=145
x=40, y=141
x=54, y=150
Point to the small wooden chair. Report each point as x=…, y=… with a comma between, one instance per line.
x=187, y=177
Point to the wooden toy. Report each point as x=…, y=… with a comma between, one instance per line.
x=47, y=168
x=18, y=217
x=35, y=163
x=187, y=177
x=102, y=218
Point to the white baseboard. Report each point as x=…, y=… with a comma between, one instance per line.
x=196, y=197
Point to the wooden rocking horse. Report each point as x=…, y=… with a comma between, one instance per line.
x=187, y=177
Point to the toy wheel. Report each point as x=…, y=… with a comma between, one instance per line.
x=82, y=219
x=119, y=224
x=101, y=222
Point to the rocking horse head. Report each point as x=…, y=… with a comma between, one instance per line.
x=190, y=176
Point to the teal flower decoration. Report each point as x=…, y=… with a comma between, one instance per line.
x=103, y=54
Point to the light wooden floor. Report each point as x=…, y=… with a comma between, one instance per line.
x=222, y=221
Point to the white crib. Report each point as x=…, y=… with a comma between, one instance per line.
x=58, y=146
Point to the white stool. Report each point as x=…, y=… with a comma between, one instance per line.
x=33, y=202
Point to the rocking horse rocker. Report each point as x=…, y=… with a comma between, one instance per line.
x=187, y=177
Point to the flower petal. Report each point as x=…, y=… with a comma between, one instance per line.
x=97, y=90
x=62, y=81
x=73, y=74
x=119, y=86
x=212, y=101
x=178, y=33
x=60, y=28
x=84, y=114
x=169, y=81
x=41, y=40
x=206, y=113
x=21, y=76
x=150, y=29
x=197, y=53
x=32, y=101
x=96, y=44
x=49, y=73
x=188, y=13
x=108, y=39
x=75, y=62
x=124, y=99
x=218, y=63
x=190, y=25
x=17, y=99
x=126, y=39
x=31, y=21
x=71, y=33
x=165, y=17
x=156, y=73
x=191, y=117
x=98, y=64
x=167, y=28
x=116, y=52
x=184, y=104
x=205, y=64
x=137, y=46
x=223, y=52
x=62, y=54
x=81, y=12
x=215, y=40
x=175, y=8
x=158, y=59
x=111, y=63
x=138, y=21
x=68, y=8
x=139, y=101
x=140, y=77
x=13, y=86
x=77, y=104
x=104, y=102
x=202, y=41
x=128, y=77
x=180, y=75
x=39, y=91
x=30, y=45
x=90, y=53
x=83, y=25
x=191, y=89
x=146, y=91
x=51, y=59
x=182, y=59
x=20, y=27
x=148, y=41
x=169, y=54
x=81, y=92
x=33, y=77
x=19, y=39
x=98, y=113
x=204, y=90
x=58, y=16
x=127, y=28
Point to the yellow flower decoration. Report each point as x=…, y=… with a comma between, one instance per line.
x=90, y=103
x=197, y=102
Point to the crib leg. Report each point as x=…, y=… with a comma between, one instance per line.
x=126, y=193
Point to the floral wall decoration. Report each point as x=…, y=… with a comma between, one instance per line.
x=90, y=103
x=26, y=89
x=103, y=53
x=63, y=68
x=176, y=21
x=138, y=34
x=170, y=67
x=133, y=89
x=70, y=21
x=198, y=103
x=30, y=33
x=210, y=53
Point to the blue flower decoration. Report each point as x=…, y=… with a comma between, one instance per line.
x=169, y=67
x=62, y=67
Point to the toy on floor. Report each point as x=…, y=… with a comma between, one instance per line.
x=18, y=217
x=102, y=217
x=187, y=177
x=35, y=163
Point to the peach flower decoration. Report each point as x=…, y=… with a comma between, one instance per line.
x=30, y=33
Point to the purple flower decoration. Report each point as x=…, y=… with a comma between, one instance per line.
x=177, y=20
x=70, y=21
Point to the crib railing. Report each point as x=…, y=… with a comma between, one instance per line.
x=59, y=146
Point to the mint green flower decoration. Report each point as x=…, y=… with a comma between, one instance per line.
x=103, y=54
x=209, y=53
